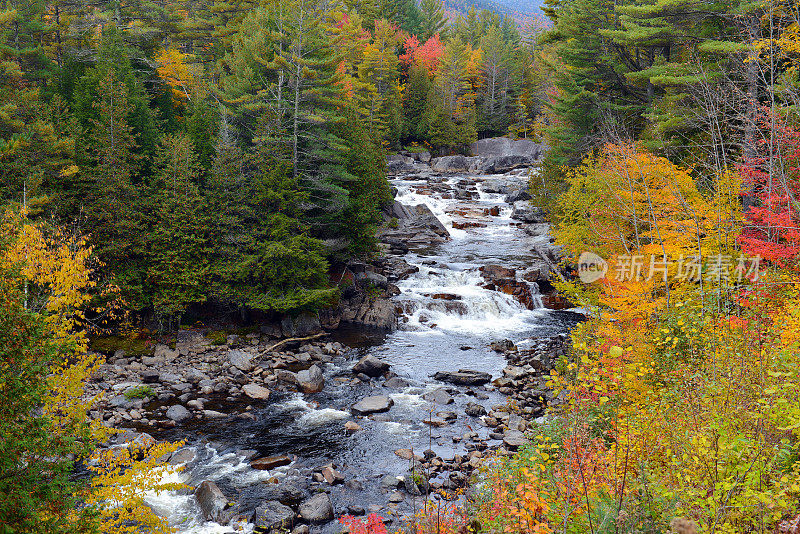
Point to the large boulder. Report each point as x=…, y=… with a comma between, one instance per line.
x=272, y=516
x=304, y=324
x=311, y=380
x=423, y=217
x=375, y=404
x=317, y=509
x=503, y=146
x=526, y=213
x=517, y=195
x=369, y=278
x=453, y=164
x=286, y=493
x=371, y=366
x=463, y=377
x=212, y=502
x=503, y=164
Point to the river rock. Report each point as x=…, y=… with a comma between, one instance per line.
x=526, y=213
x=212, y=502
x=497, y=272
x=331, y=475
x=287, y=377
x=371, y=366
x=182, y=456
x=504, y=345
x=351, y=427
x=503, y=164
x=273, y=516
x=464, y=377
x=150, y=376
x=286, y=493
x=474, y=409
x=452, y=164
x=439, y=396
x=254, y=391
x=375, y=404
x=516, y=196
x=503, y=146
x=178, y=413
x=317, y=509
x=270, y=462
x=513, y=439
x=311, y=380
x=241, y=360
x=396, y=382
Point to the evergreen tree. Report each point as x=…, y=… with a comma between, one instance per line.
x=177, y=265
x=433, y=18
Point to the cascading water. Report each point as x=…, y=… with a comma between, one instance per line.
x=448, y=322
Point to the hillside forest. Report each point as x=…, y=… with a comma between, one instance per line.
x=163, y=161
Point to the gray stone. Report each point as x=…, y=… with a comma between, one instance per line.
x=150, y=376
x=273, y=516
x=439, y=396
x=396, y=382
x=317, y=509
x=513, y=439
x=368, y=278
x=375, y=404
x=212, y=502
x=463, y=377
x=311, y=380
x=182, y=456
x=254, y=391
x=503, y=146
x=287, y=377
x=304, y=324
x=474, y=409
x=178, y=413
x=286, y=493
x=241, y=360
x=371, y=366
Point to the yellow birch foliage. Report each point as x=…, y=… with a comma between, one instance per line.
x=58, y=273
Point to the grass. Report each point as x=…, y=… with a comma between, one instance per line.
x=139, y=392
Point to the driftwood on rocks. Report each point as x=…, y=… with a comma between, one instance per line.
x=282, y=342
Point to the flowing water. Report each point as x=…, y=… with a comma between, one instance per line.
x=435, y=335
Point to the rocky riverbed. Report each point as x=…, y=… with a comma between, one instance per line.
x=436, y=357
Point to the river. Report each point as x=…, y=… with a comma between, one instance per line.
x=435, y=334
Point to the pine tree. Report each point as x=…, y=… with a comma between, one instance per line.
x=433, y=18
x=177, y=265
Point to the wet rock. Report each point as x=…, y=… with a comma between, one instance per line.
x=182, y=456
x=474, y=409
x=396, y=382
x=464, y=377
x=273, y=516
x=270, y=462
x=286, y=377
x=516, y=196
x=213, y=414
x=452, y=164
x=241, y=360
x=286, y=493
x=439, y=396
x=503, y=164
x=371, y=366
x=526, y=213
x=375, y=404
x=497, y=272
x=317, y=509
x=178, y=413
x=311, y=380
x=405, y=454
x=435, y=422
x=502, y=346
x=331, y=475
x=351, y=427
x=390, y=481
x=212, y=502
x=254, y=391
